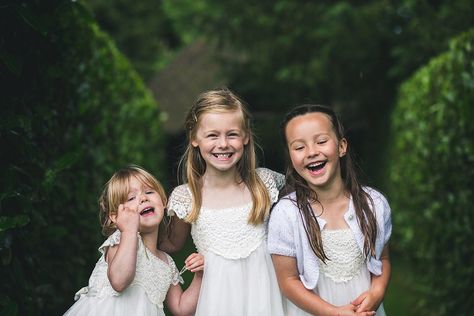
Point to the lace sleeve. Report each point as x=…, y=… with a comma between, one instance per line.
x=180, y=201
x=175, y=276
x=273, y=180
x=113, y=240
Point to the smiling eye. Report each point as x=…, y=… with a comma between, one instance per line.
x=130, y=198
x=321, y=142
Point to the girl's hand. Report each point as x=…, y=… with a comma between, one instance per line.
x=350, y=310
x=195, y=262
x=367, y=301
x=127, y=219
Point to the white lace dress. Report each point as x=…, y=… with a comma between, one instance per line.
x=239, y=278
x=344, y=276
x=144, y=296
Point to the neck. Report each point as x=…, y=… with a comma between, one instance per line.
x=331, y=193
x=150, y=239
x=215, y=178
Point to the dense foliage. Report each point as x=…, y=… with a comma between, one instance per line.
x=432, y=178
x=350, y=54
x=141, y=29
x=73, y=111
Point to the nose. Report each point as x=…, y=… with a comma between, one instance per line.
x=222, y=142
x=313, y=150
x=142, y=198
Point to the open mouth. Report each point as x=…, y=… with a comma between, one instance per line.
x=317, y=166
x=147, y=210
x=223, y=155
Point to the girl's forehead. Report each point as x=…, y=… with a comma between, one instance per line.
x=137, y=182
x=231, y=119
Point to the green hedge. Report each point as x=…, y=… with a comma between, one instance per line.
x=432, y=178
x=73, y=111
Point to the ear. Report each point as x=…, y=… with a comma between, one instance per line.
x=113, y=218
x=194, y=143
x=246, y=139
x=342, y=147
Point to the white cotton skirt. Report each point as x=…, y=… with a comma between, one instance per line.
x=337, y=293
x=240, y=287
x=132, y=301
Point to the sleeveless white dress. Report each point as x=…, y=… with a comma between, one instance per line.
x=344, y=276
x=239, y=278
x=144, y=296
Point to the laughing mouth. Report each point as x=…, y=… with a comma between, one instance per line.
x=223, y=155
x=147, y=210
x=313, y=167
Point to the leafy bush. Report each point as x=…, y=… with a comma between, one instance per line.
x=432, y=178
x=73, y=111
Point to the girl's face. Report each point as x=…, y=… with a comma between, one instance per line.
x=315, y=150
x=147, y=202
x=220, y=139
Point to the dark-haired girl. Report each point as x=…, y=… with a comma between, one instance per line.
x=328, y=238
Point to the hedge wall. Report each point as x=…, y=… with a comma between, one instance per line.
x=432, y=178
x=73, y=111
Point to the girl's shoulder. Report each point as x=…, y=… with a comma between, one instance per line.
x=379, y=200
x=111, y=241
x=180, y=201
x=273, y=181
x=286, y=208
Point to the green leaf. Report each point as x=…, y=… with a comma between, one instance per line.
x=9, y=222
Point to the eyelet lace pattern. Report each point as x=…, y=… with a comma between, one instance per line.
x=226, y=231
x=152, y=274
x=345, y=256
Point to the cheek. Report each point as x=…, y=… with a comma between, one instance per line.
x=295, y=159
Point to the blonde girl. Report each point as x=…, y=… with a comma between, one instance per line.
x=328, y=238
x=133, y=277
x=225, y=202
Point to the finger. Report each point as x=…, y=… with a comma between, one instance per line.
x=358, y=300
x=190, y=257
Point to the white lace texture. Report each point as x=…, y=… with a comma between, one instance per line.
x=226, y=231
x=152, y=274
x=180, y=201
x=345, y=256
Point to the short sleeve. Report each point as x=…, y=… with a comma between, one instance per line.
x=113, y=240
x=175, y=276
x=280, y=231
x=180, y=201
x=273, y=180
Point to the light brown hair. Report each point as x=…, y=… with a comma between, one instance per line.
x=116, y=191
x=192, y=166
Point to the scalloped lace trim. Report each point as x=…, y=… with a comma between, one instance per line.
x=226, y=232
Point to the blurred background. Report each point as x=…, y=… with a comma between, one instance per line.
x=89, y=86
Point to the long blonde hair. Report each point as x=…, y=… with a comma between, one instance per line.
x=116, y=191
x=192, y=166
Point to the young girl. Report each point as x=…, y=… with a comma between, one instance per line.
x=328, y=238
x=132, y=277
x=225, y=203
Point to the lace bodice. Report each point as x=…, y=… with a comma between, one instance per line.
x=345, y=256
x=226, y=231
x=152, y=274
